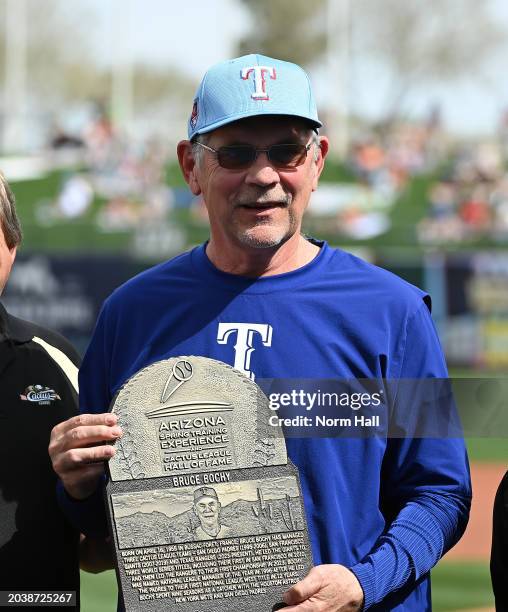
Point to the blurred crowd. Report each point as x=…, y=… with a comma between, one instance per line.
x=382, y=161
x=470, y=200
x=388, y=158
x=126, y=182
x=127, y=177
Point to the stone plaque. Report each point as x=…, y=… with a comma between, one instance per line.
x=205, y=510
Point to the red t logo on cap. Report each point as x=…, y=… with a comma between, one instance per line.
x=259, y=80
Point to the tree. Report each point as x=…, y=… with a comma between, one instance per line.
x=424, y=42
x=292, y=30
x=57, y=42
x=57, y=66
x=153, y=85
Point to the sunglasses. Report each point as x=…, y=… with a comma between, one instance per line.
x=240, y=157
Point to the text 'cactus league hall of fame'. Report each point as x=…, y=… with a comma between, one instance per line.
x=205, y=510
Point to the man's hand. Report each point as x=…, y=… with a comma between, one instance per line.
x=78, y=452
x=326, y=588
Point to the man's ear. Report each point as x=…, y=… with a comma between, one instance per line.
x=324, y=145
x=188, y=165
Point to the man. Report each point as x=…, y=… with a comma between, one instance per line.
x=207, y=508
x=274, y=303
x=38, y=389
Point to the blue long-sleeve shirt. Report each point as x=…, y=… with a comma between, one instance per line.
x=387, y=508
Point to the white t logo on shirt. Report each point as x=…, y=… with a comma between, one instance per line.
x=244, y=340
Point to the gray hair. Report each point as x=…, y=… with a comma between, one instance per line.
x=9, y=220
x=197, y=151
x=315, y=141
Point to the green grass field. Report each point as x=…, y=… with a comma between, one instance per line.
x=461, y=586
x=488, y=450
x=98, y=592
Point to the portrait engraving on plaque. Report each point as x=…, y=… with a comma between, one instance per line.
x=228, y=510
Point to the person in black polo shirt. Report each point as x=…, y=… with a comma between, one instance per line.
x=39, y=550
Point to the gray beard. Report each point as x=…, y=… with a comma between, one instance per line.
x=255, y=243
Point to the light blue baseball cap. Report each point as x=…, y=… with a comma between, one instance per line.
x=249, y=86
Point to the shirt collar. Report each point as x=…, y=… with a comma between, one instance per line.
x=13, y=328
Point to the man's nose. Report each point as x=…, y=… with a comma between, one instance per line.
x=262, y=172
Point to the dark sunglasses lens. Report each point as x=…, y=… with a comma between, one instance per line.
x=288, y=155
x=236, y=157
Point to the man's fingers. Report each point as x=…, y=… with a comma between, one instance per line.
x=78, y=449
x=105, y=418
x=77, y=458
x=80, y=437
x=304, y=589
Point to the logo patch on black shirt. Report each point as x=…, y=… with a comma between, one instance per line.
x=39, y=394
